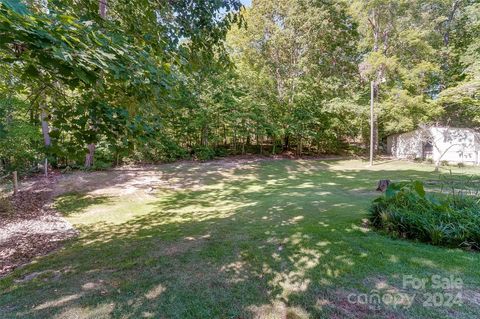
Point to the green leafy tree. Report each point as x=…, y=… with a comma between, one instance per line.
x=92, y=67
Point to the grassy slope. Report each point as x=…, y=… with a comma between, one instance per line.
x=277, y=239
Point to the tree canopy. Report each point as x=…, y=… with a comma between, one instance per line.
x=154, y=81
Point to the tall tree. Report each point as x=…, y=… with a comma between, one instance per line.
x=307, y=48
x=108, y=64
x=89, y=157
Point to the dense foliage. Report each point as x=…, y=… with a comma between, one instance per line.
x=149, y=81
x=407, y=211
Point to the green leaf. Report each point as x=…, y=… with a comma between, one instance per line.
x=32, y=71
x=418, y=186
x=390, y=192
x=15, y=5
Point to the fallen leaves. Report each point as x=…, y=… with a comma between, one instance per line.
x=32, y=228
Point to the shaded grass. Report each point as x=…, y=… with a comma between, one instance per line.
x=275, y=239
x=76, y=203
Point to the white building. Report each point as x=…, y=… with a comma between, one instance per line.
x=453, y=145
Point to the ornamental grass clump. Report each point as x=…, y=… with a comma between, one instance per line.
x=450, y=219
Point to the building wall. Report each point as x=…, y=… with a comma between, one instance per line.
x=455, y=145
x=406, y=145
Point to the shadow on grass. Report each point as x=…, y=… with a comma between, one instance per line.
x=283, y=241
x=73, y=203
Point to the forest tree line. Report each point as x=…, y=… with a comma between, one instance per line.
x=98, y=83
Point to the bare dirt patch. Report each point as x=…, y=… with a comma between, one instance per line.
x=145, y=179
x=32, y=228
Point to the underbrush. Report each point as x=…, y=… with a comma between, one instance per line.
x=448, y=219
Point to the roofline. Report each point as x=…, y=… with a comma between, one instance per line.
x=477, y=133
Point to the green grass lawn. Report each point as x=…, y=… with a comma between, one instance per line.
x=270, y=239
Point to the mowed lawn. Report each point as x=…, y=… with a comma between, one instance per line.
x=263, y=239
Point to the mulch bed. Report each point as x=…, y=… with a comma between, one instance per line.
x=31, y=228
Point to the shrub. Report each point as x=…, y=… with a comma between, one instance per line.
x=101, y=165
x=203, y=153
x=407, y=211
x=221, y=151
x=160, y=149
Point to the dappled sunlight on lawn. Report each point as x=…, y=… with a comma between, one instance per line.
x=276, y=310
x=272, y=239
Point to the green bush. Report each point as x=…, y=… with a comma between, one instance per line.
x=203, y=153
x=221, y=151
x=407, y=211
x=20, y=147
x=100, y=165
x=160, y=149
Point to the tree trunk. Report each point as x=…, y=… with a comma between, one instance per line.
x=287, y=142
x=102, y=11
x=299, y=147
x=90, y=155
x=45, y=128
x=102, y=8
x=204, y=136
x=446, y=35
x=224, y=136
x=235, y=139
x=46, y=136
x=374, y=24
x=374, y=122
